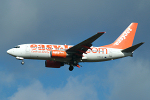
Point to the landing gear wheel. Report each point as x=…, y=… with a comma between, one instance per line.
x=22, y=63
x=71, y=68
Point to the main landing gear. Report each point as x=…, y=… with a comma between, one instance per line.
x=71, y=68
x=21, y=58
x=74, y=63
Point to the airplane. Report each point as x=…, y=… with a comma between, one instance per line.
x=56, y=55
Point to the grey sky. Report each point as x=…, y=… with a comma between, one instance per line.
x=70, y=22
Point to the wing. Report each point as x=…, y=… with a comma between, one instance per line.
x=82, y=47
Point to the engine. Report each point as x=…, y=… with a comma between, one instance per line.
x=53, y=64
x=58, y=54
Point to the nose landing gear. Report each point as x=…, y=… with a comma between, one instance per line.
x=20, y=58
x=22, y=62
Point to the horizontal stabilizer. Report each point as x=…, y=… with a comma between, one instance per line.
x=132, y=48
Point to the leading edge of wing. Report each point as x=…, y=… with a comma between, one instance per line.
x=86, y=42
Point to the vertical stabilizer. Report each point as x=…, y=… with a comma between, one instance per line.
x=125, y=40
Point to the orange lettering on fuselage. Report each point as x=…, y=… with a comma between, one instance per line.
x=103, y=50
x=94, y=50
x=48, y=47
x=41, y=47
x=97, y=50
x=66, y=47
x=33, y=46
x=56, y=47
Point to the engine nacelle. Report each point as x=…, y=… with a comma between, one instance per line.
x=53, y=64
x=58, y=54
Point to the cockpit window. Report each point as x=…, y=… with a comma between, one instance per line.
x=17, y=47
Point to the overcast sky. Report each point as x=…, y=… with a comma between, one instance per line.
x=70, y=22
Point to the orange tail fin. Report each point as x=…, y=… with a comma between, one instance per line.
x=125, y=40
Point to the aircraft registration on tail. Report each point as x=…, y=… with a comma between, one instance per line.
x=56, y=56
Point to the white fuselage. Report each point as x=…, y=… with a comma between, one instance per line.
x=58, y=55
x=42, y=52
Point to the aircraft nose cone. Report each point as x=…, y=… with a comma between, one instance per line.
x=9, y=51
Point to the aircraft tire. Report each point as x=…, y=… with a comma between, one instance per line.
x=71, y=68
x=22, y=63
